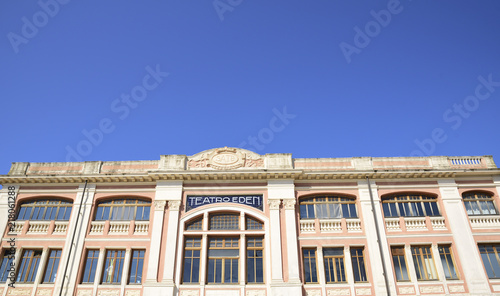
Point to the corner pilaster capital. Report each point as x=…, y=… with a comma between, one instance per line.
x=274, y=204
x=174, y=205
x=289, y=204
x=159, y=205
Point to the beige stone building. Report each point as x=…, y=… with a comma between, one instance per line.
x=230, y=222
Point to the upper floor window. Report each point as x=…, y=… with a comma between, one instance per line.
x=225, y=222
x=124, y=210
x=479, y=203
x=325, y=207
x=45, y=209
x=410, y=205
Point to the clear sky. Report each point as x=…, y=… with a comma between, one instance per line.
x=131, y=80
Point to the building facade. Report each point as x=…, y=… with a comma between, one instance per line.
x=230, y=222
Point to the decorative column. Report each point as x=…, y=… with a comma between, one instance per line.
x=349, y=272
x=126, y=268
x=276, y=265
x=291, y=241
x=173, y=223
x=411, y=267
x=154, y=250
x=439, y=267
x=467, y=250
x=372, y=240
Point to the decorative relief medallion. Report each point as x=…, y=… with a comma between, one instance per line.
x=289, y=204
x=190, y=293
x=313, y=292
x=159, y=205
x=174, y=205
x=274, y=204
x=339, y=292
x=84, y=292
x=407, y=290
x=363, y=291
x=256, y=292
x=19, y=291
x=44, y=292
x=226, y=159
x=456, y=288
x=108, y=293
x=133, y=293
x=431, y=289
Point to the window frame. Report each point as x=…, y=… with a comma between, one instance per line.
x=333, y=203
x=117, y=272
x=121, y=203
x=223, y=260
x=451, y=258
x=312, y=264
x=220, y=221
x=138, y=270
x=399, y=259
x=53, y=262
x=27, y=274
x=94, y=261
x=475, y=200
x=192, y=247
x=255, y=258
x=496, y=253
x=360, y=263
x=334, y=263
x=411, y=202
x=7, y=258
x=428, y=255
x=36, y=205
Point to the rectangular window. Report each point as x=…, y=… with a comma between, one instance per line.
x=5, y=266
x=310, y=270
x=223, y=256
x=225, y=222
x=424, y=265
x=135, y=275
x=491, y=260
x=29, y=266
x=450, y=271
x=52, y=265
x=399, y=261
x=334, y=265
x=113, y=268
x=358, y=265
x=255, y=261
x=90, y=266
x=192, y=250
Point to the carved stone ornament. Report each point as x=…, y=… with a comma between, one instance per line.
x=431, y=289
x=159, y=205
x=289, y=204
x=44, y=292
x=363, y=291
x=274, y=204
x=174, y=205
x=108, y=293
x=256, y=292
x=313, y=292
x=336, y=292
x=407, y=290
x=226, y=159
x=456, y=288
x=190, y=292
x=133, y=293
x=86, y=292
x=18, y=291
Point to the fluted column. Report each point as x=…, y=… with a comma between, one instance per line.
x=154, y=250
x=171, y=243
x=291, y=240
x=276, y=264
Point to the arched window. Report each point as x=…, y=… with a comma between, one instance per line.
x=45, y=209
x=123, y=210
x=410, y=205
x=328, y=207
x=479, y=203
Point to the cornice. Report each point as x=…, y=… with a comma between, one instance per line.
x=229, y=176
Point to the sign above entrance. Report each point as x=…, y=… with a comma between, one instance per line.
x=194, y=201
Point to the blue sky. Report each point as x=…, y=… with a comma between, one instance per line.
x=131, y=80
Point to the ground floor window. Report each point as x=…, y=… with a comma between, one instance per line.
x=358, y=265
x=29, y=266
x=136, y=265
x=192, y=253
x=310, y=270
x=491, y=259
x=223, y=257
x=113, y=268
x=399, y=261
x=255, y=260
x=7, y=259
x=424, y=264
x=446, y=256
x=52, y=266
x=334, y=265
